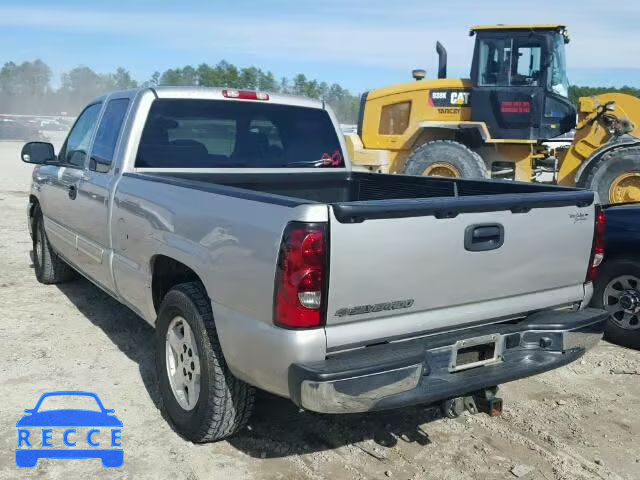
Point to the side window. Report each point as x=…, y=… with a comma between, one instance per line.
x=495, y=62
x=394, y=119
x=104, y=145
x=528, y=66
x=74, y=150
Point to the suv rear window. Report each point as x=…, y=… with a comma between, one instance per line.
x=218, y=134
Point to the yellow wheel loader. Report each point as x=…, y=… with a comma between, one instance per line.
x=495, y=124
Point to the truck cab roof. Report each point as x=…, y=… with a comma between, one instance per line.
x=217, y=93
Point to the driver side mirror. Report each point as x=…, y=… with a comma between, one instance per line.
x=38, y=153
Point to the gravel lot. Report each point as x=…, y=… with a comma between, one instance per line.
x=582, y=421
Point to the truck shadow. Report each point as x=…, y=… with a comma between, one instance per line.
x=278, y=428
x=130, y=333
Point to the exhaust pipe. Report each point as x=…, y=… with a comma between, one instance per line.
x=442, y=60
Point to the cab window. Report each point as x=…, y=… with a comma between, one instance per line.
x=495, y=62
x=558, y=79
x=104, y=145
x=229, y=134
x=74, y=150
x=527, y=64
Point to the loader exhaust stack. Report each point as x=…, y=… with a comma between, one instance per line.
x=442, y=60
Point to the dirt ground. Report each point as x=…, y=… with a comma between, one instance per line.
x=578, y=422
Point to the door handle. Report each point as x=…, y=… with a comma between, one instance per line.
x=73, y=192
x=483, y=237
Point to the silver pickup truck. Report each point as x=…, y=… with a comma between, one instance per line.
x=233, y=222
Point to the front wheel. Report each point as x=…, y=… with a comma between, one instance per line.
x=617, y=290
x=201, y=396
x=48, y=266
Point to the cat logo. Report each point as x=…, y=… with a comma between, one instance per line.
x=449, y=98
x=460, y=98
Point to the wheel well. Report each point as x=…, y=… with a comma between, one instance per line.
x=33, y=203
x=167, y=273
x=470, y=136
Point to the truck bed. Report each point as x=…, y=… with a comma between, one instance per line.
x=357, y=196
x=421, y=232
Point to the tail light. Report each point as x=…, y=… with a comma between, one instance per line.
x=597, y=252
x=245, y=94
x=301, y=276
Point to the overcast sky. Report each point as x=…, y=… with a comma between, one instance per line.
x=360, y=44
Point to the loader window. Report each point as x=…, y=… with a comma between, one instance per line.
x=394, y=119
x=527, y=65
x=495, y=61
x=558, y=78
x=506, y=62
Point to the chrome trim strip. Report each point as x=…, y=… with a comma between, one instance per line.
x=64, y=234
x=90, y=249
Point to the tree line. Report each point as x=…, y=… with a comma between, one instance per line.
x=26, y=88
x=576, y=92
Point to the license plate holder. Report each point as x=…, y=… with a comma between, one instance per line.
x=476, y=352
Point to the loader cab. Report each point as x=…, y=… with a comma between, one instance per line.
x=520, y=86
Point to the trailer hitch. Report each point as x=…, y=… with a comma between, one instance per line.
x=481, y=401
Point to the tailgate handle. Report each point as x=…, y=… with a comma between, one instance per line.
x=483, y=237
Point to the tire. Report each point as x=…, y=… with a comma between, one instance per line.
x=224, y=403
x=467, y=162
x=612, y=270
x=611, y=166
x=48, y=265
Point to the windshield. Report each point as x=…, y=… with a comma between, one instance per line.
x=559, y=81
x=226, y=134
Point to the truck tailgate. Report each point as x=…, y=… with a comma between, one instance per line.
x=411, y=267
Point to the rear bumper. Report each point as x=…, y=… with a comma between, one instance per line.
x=422, y=370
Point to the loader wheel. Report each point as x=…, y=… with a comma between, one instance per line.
x=445, y=158
x=616, y=176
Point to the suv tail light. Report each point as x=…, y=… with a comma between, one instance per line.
x=301, y=276
x=597, y=251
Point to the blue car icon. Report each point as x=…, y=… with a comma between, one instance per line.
x=100, y=421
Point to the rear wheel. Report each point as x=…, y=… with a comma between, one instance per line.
x=617, y=290
x=201, y=396
x=446, y=158
x=616, y=176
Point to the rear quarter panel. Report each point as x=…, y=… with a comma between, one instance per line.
x=232, y=244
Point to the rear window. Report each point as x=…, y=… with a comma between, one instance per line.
x=219, y=134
